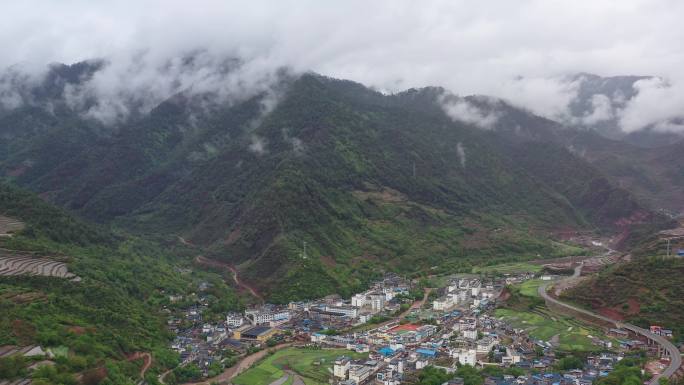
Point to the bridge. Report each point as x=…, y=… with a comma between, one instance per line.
x=666, y=348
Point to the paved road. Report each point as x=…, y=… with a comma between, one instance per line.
x=675, y=357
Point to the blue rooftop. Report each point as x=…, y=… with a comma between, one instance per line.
x=386, y=351
x=427, y=352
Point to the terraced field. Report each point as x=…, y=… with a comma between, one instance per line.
x=29, y=265
x=9, y=225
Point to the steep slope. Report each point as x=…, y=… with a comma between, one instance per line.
x=654, y=175
x=646, y=291
x=368, y=181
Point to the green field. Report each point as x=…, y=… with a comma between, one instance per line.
x=509, y=268
x=530, y=288
x=313, y=365
x=542, y=324
x=572, y=335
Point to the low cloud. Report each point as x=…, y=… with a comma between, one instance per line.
x=139, y=83
x=258, y=145
x=488, y=48
x=464, y=111
x=602, y=110
x=658, y=104
x=460, y=152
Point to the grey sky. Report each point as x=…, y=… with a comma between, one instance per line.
x=469, y=47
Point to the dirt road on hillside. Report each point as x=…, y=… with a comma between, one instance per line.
x=234, y=272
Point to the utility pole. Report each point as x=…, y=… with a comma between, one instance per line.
x=668, y=247
x=304, y=252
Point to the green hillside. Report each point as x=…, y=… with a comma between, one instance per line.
x=96, y=323
x=647, y=291
x=369, y=182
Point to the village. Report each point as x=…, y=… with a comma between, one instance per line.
x=397, y=328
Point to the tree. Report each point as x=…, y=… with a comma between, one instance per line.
x=469, y=375
x=569, y=362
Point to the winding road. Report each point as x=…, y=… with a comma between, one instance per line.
x=675, y=356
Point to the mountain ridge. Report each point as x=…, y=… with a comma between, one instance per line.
x=370, y=181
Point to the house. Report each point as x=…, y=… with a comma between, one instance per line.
x=234, y=320
x=443, y=303
x=465, y=356
x=469, y=334
x=387, y=376
x=318, y=337
x=359, y=373
x=377, y=301
x=258, y=333
x=347, y=311
x=485, y=344
x=341, y=367
x=429, y=353
x=358, y=300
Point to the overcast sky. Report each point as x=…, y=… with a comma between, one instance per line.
x=466, y=46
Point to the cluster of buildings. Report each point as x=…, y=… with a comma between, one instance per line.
x=203, y=343
x=464, y=332
x=459, y=329
x=197, y=340
x=464, y=292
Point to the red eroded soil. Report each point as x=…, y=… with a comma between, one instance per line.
x=634, y=306
x=505, y=295
x=328, y=261
x=78, y=330
x=147, y=357
x=611, y=313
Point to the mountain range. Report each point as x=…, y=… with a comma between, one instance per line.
x=317, y=185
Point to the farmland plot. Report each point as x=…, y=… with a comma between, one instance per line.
x=28, y=265
x=9, y=225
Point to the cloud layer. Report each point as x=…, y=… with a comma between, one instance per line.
x=521, y=50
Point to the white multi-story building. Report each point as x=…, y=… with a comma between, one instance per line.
x=261, y=316
x=349, y=311
x=512, y=356
x=443, y=303
x=485, y=344
x=358, y=300
x=341, y=367
x=359, y=373
x=389, y=293
x=234, y=320
x=465, y=356
x=377, y=301
x=470, y=334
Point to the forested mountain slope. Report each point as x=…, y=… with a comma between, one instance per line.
x=111, y=312
x=647, y=291
x=369, y=181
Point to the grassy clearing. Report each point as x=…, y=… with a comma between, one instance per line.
x=530, y=288
x=312, y=365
